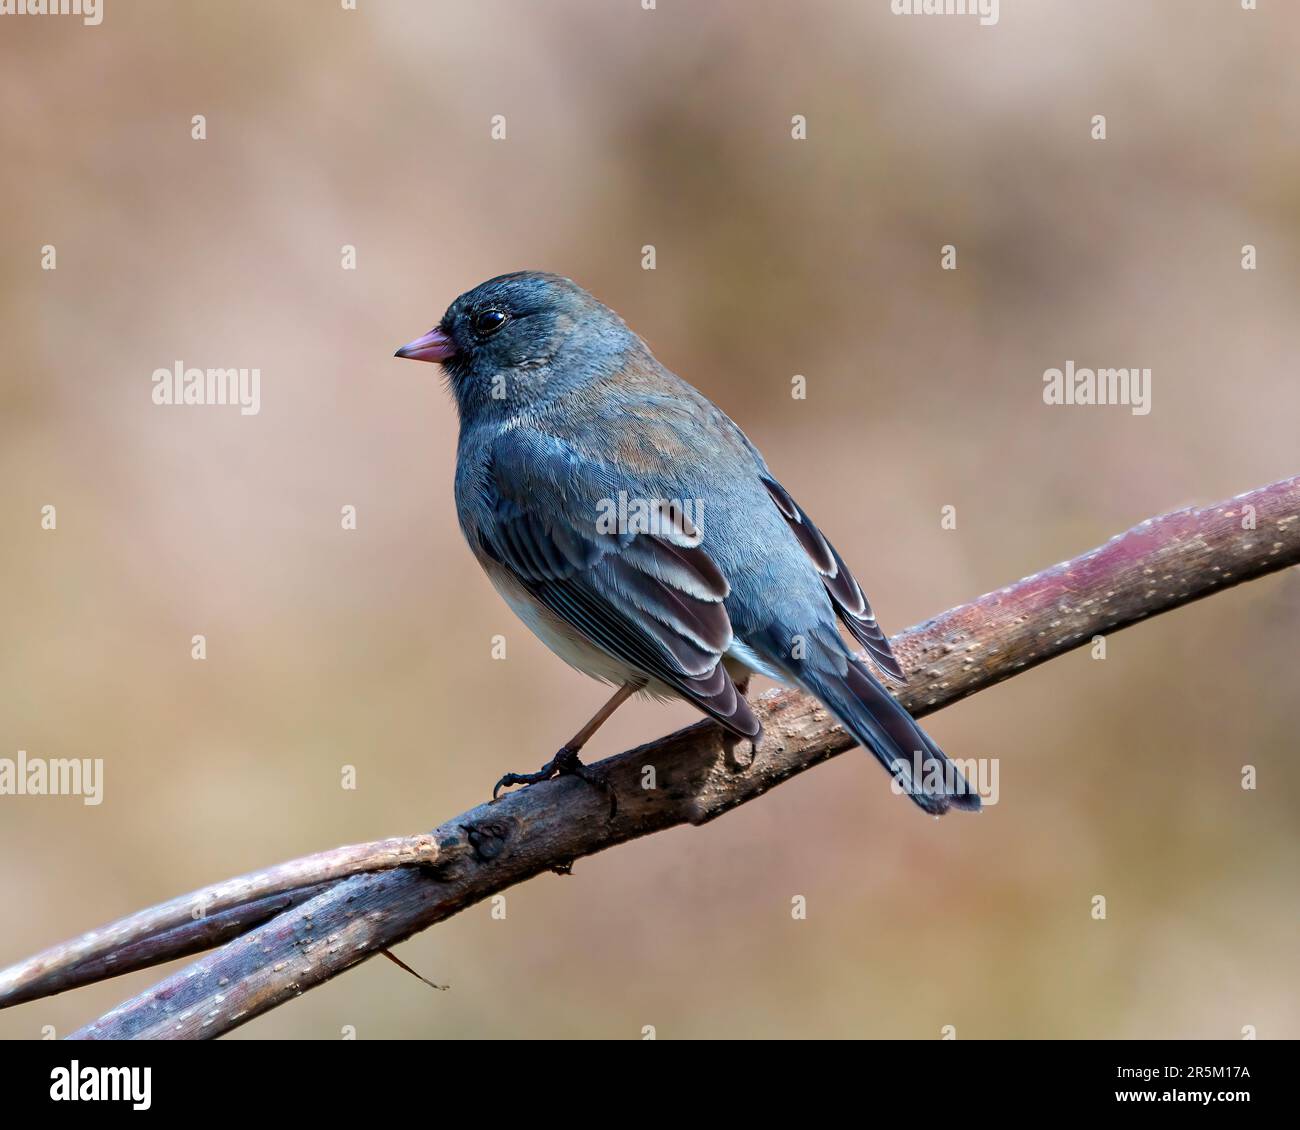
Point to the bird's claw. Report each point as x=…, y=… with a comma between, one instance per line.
x=563, y=764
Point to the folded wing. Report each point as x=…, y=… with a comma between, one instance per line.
x=651, y=598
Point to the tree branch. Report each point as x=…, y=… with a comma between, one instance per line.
x=196, y=922
x=1159, y=565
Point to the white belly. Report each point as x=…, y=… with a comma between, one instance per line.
x=584, y=656
x=567, y=643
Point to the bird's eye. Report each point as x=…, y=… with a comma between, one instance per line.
x=487, y=322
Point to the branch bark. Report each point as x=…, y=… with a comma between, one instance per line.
x=1159, y=565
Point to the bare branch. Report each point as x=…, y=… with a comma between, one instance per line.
x=203, y=918
x=1159, y=565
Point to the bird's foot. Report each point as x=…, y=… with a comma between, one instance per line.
x=563, y=764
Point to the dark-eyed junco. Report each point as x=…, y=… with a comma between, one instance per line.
x=636, y=530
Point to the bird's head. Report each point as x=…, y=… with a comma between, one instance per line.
x=520, y=338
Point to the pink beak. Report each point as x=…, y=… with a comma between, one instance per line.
x=433, y=346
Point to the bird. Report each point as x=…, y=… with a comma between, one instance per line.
x=636, y=530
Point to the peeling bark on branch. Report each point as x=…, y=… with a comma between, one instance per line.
x=1159, y=565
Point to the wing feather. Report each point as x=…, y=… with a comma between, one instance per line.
x=850, y=601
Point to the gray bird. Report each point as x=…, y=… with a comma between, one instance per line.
x=637, y=531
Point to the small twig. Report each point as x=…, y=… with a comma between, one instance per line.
x=418, y=976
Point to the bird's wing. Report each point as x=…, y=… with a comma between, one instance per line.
x=644, y=593
x=845, y=592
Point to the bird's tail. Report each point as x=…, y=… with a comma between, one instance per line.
x=880, y=724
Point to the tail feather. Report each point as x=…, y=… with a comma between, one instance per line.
x=880, y=724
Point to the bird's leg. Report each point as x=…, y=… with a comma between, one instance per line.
x=566, y=762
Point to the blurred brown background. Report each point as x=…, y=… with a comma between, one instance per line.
x=372, y=648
